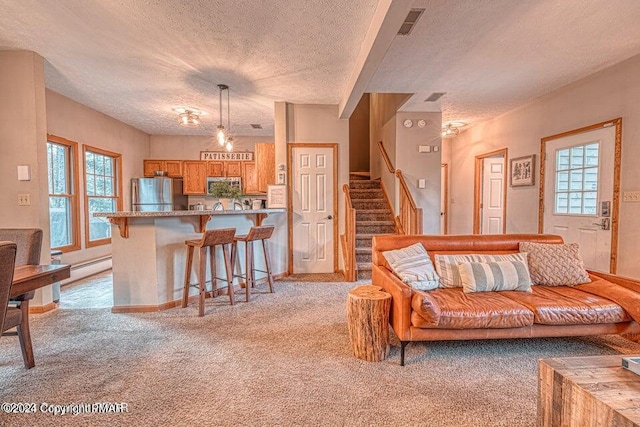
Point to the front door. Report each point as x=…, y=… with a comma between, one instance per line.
x=313, y=214
x=578, y=193
x=492, y=196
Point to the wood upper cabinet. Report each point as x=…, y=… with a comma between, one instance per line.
x=173, y=168
x=249, y=178
x=215, y=168
x=265, y=154
x=232, y=168
x=195, y=177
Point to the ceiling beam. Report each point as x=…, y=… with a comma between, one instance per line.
x=387, y=19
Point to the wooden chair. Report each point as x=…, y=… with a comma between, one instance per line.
x=262, y=233
x=12, y=317
x=210, y=239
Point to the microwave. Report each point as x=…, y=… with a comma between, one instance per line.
x=235, y=181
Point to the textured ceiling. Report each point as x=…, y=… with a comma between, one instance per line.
x=492, y=56
x=135, y=60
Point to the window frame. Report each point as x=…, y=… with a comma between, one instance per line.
x=569, y=191
x=74, y=187
x=117, y=157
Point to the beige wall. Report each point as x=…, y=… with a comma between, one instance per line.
x=359, y=136
x=23, y=142
x=71, y=120
x=320, y=123
x=612, y=93
x=184, y=147
x=415, y=165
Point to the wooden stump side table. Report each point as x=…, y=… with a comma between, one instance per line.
x=368, y=320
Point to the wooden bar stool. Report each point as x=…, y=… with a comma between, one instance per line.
x=261, y=233
x=223, y=237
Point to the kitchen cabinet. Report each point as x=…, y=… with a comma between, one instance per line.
x=265, y=154
x=249, y=178
x=232, y=168
x=173, y=168
x=195, y=177
x=215, y=168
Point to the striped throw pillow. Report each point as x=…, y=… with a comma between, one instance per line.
x=494, y=276
x=413, y=266
x=447, y=265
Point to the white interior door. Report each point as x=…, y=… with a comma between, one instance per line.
x=578, y=174
x=492, y=195
x=312, y=201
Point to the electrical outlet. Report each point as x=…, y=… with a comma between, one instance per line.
x=24, y=199
x=631, y=196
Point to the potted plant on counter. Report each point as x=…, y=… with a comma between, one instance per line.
x=226, y=193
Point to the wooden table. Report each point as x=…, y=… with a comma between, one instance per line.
x=587, y=391
x=26, y=279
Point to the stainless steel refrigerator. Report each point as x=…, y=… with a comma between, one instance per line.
x=157, y=194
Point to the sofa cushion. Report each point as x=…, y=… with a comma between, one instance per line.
x=555, y=265
x=494, y=276
x=413, y=266
x=564, y=305
x=447, y=265
x=457, y=310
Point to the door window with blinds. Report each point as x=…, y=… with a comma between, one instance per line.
x=576, y=190
x=101, y=192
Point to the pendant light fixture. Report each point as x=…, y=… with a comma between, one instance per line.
x=221, y=132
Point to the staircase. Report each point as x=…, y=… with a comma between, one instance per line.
x=373, y=217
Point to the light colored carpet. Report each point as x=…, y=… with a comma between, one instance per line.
x=283, y=359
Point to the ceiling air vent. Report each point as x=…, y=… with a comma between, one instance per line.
x=435, y=96
x=410, y=21
x=256, y=125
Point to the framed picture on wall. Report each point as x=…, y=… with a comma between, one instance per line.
x=522, y=171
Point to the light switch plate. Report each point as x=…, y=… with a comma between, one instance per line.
x=424, y=148
x=24, y=173
x=631, y=196
x=24, y=199
x=422, y=183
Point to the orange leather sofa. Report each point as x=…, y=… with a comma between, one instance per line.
x=450, y=314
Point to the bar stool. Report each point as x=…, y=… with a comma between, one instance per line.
x=223, y=237
x=261, y=233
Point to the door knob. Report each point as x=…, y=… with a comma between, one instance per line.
x=604, y=224
x=329, y=217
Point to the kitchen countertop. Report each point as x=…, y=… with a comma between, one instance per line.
x=131, y=214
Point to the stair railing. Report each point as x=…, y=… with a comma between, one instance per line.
x=409, y=219
x=349, y=237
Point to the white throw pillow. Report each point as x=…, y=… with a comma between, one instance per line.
x=413, y=266
x=495, y=276
x=447, y=265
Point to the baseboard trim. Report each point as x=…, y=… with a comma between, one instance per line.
x=178, y=303
x=39, y=309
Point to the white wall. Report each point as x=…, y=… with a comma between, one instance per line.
x=614, y=92
x=71, y=120
x=320, y=123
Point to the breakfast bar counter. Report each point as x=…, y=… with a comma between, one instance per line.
x=149, y=255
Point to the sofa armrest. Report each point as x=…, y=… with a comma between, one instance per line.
x=627, y=282
x=400, y=316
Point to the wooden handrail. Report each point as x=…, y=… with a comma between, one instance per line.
x=410, y=217
x=349, y=238
x=385, y=157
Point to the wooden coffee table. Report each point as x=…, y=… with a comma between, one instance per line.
x=587, y=391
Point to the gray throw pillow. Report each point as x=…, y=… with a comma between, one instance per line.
x=553, y=264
